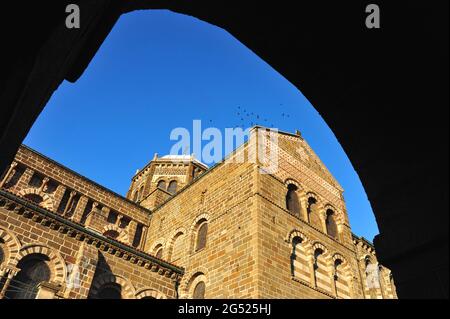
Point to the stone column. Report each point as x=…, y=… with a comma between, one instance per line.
x=9, y=174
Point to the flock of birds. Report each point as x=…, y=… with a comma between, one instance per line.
x=246, y=118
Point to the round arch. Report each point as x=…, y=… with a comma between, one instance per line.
x=11, y=245
x=181, y=231
x=57, y=264
x=122, y=233
x=150, y=293
x=295, y=233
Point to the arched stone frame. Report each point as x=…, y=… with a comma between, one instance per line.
x=127, y=291
x=159, y=242
x=191, y=279
x=170, y=244
x=346, y=271
x=289, y=181
x=11, y=245
x=57, y=265
x=326, y=256
x=309, y=195
x=295, y=233
x=307, y=251
x=149, y=292
x=392, y=286
x=123, y=233
x=300, y=195
x=159, y=179
x=47, y=200
x=382, y=280
x=192, y=234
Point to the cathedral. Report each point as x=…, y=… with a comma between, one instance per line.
x=236, y=230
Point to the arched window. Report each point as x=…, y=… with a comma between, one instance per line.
x=111, y=233
x=292, y=202
x=172, y=187
x=141, y=192
x=34, y=269
x=178, y=247
x=162, y=184
x=110, y=291
x=34, y=198
x=331, y=224
x=199, y=291
x=367, y=262
x=202, y=234
x=135, y=196
x=36, y=180
x=158, y=251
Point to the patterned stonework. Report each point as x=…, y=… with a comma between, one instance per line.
x=185, y=231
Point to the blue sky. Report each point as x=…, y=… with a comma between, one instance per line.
x=157, y=71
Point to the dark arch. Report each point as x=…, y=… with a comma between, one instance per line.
x=34, y=198
x=158, y=251
x=292, y=200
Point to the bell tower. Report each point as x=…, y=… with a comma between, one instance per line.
x=163, y=177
